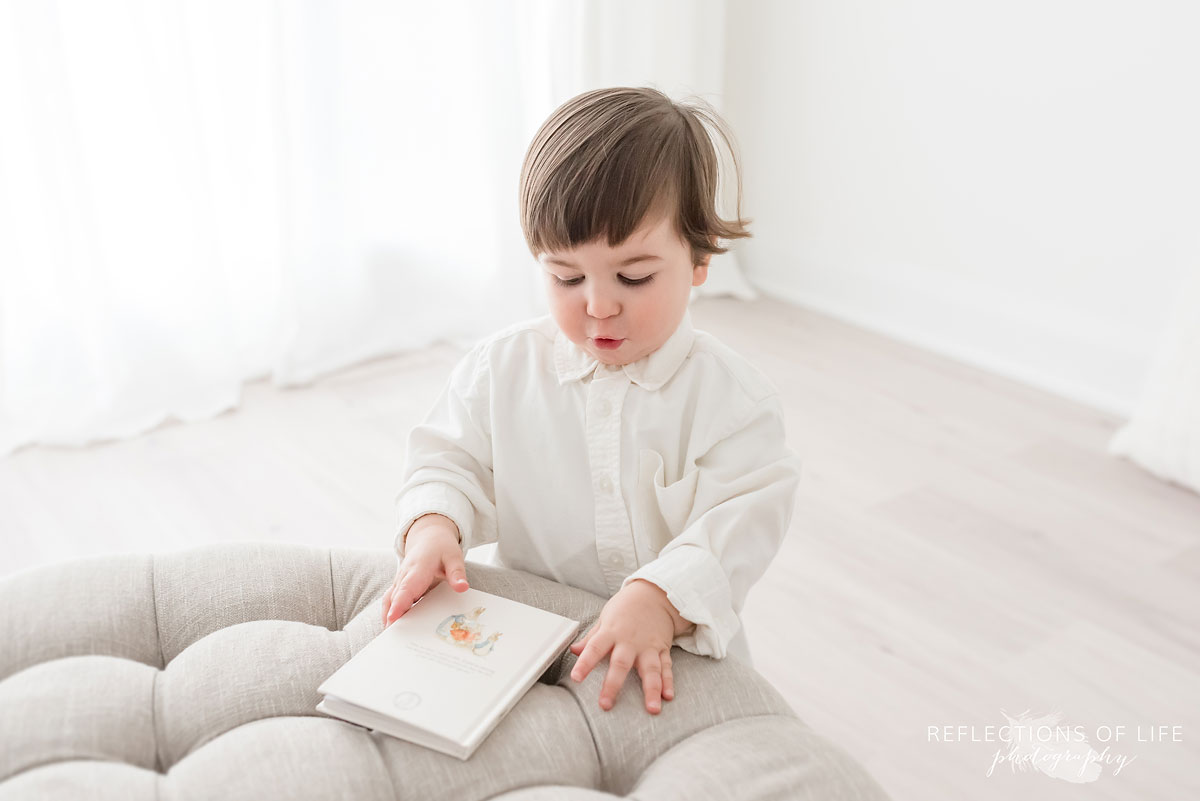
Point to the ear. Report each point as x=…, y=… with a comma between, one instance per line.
x=700, y=271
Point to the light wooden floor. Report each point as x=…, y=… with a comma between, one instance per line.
x=962, y=545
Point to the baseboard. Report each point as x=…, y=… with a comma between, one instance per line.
x=1064, y=354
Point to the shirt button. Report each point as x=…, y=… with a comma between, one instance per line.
x=605, y=484
x=602, y=408
x=616, y=561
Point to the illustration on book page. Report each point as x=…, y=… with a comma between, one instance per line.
x=465, y=631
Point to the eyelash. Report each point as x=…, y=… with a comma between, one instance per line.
x=624, y=280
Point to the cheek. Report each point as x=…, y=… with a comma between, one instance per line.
x=662, y=302
x=564, y=309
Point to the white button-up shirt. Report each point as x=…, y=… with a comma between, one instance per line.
x=673, y=469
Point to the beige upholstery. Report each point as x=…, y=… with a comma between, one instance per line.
x=193, y=674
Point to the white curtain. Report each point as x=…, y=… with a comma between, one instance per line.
x=196, y=193
x=1163, y=436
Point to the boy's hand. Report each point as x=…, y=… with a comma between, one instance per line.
x=637, y=625
x=431, y=553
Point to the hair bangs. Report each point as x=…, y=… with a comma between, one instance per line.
x=608, y=160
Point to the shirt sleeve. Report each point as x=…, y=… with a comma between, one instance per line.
x=448, y=465
x=745, y=494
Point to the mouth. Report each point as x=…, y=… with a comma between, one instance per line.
x=605, y=343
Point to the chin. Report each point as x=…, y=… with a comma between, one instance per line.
x=608, y=357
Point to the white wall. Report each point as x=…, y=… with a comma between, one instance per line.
x=1014, y=184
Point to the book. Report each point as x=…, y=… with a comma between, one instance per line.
x=446, y=672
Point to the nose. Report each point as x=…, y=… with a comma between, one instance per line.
x=602, y=303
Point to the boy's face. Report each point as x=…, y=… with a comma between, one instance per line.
x=617, y=306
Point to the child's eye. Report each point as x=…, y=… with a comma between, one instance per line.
x=623, y=279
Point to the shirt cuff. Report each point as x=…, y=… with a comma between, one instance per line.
x=698, y=588
x=429, y=498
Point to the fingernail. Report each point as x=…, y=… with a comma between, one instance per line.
x=653, y=706
x=605, y=703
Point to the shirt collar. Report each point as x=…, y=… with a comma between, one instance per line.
x=650, y=372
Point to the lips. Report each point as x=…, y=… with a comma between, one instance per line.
x=607, y=344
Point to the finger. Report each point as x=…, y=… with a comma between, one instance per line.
x=619, y=664
x=668, y=678
x=591, y=656
x=394, y=606
x=411, y=588
x=456, y=573
x=390, y=599
x=577, y=647
x=387, y=603
x=650, y=671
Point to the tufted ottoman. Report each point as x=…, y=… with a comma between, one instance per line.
x=193, y=674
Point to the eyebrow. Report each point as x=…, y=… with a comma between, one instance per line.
x=625, y=263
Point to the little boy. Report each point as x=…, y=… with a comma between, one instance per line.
x=609, y=445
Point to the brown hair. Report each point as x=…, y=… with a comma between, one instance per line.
x=606, y=159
